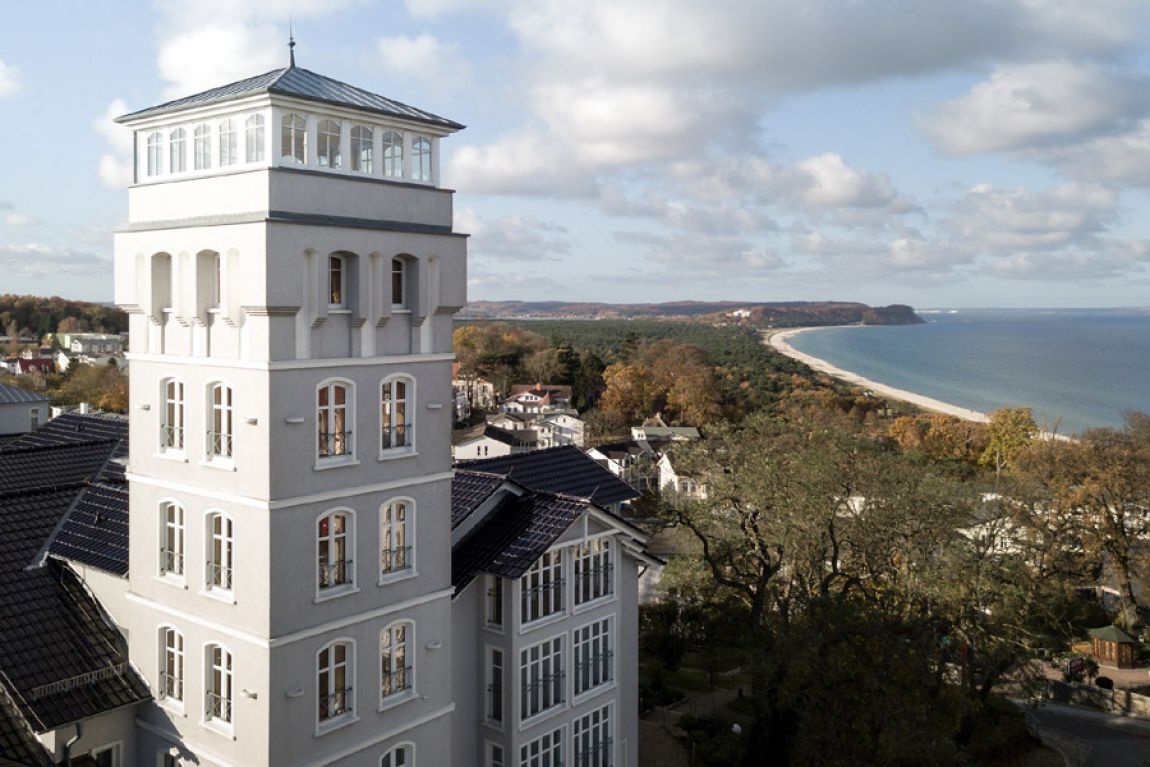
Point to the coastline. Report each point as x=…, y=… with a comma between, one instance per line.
x=777, y=340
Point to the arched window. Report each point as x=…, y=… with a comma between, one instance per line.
x=172, y=539
x=334, y=545
x=218, y=684
x=254, y=135
x=400, y=756
x=223, y=416
x=335, y=281
x=171, y=664
x=396, y=670
x=393, y=154
x=335, y=668
x=293, y=139
x=361, y=149
x=397, y=431
x=327, y=149
x=333, y=420
x=421, y=159
x=229, y=153
x=398, y=282
x=155, y=154
x=177, y=151
x=220, y=552
x=202, y=147
x=395, y=538
x=172, y=417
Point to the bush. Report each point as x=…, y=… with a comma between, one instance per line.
x=1105, y=682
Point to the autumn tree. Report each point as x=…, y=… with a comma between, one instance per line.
x=102, y=386
x=1010, y=429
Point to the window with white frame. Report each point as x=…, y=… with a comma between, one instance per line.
x=395, y=664
x=293, y=139
x=421, y=159
x=593, y=655
x=218, y=685
x=336, y=273
x=220, y=551
x=592, y=736
x=171, y=665
x=254, y=138
x=400, y=756
x=327, y=144
x=172, y=418
x=541, y=588
x=107, y=756
x=592, y=570
x=544, y=751
x=229, y=152
x=493, y=601
x=333, y=420
x=202, y=147
x=362, y=149
x=155, y=154
x=34, y=419
x=334, y=546
x=223, y=417
x=172, y=545
x=177, y=151
x=392, y=154
x=494, y=755
x=398, y=282
x=335, y=670
x=494, y=672
x=541, y=677
x=396, y=429
x=394, y=538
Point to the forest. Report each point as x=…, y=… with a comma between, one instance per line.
x=35, y=316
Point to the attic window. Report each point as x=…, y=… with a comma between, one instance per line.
x=293, y=140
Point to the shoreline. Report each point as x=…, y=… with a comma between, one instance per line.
x=777, y=340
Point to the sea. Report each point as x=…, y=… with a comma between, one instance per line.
x=1075, y=368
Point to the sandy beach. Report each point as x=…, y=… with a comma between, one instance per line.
x=778, y=341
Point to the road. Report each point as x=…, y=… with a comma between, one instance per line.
x=1114, y=741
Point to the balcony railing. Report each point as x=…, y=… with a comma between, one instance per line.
x=598, y=754
x=334, y=573
x=593, y=671
x=495, y=701
x=592, y=583
x=172, y=437
x=395, y=437
x=219, y=444
x=333, y=444
x=218, y=707
x=393, y=560
x=541, y=693
x=335, y=704
x=172, y=562
x=396, y=681
x=219, y=576
x=171, y=686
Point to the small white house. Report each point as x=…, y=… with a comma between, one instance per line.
x=21, y=410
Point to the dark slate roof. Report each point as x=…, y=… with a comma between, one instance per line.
x=18, y=744
x=469, y=489
x=513, y=536
x=565, y=469
x=74, y=428
x=303, y=84
x=65, y=466
x=95, y=531
x=13, y=394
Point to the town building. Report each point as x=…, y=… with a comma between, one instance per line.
x=21, y=410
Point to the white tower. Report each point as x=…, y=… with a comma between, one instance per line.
x=291, y=274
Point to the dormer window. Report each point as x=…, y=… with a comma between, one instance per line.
x=327, y=151
x=228, y=149
x=421, y=159
x=335, y=281
x=178, y=151
x=155, y=154
x=202, y=147
x=393, y=154
x=254, y=130
x=293, y=140
x=361, y=149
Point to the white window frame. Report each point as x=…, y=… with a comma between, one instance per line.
x=219, y=570
x=116, y=749
x=229, y=147
x=596, y=730
x=170, y=687
x=399, y=266
x=331, y=414
x=391, y=430
x=495, y=697
x=155, y=154
x=178, y=151
x=202, y=147
x=396, y=539
x=337, y=286
x=494, y=754
x=593, y=657
x=337, y=544
x=173, y=541
x=220, y=437
x=421, y=168
x=254, y=138
x=362, y=149
x=293, y=139
x=494, y=603
x=328, y=152
x=392, y=143
x=549, y=750
x=173, y=415
x=330, y=691
x=389, y=669
x=593, y=563
x=542, y=668
x=389, y=757
x=219, y=714
x=542, y=588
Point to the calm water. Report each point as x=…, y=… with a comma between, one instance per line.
x=1078, y=368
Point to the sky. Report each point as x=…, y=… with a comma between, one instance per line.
x=928, y=152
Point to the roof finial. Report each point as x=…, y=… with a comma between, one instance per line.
x=291, y=45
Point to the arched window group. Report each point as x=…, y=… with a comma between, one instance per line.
x=226, y=135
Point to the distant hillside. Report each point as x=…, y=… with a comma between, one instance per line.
x=36, y=315
x=778, y=315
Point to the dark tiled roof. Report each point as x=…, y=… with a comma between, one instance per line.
x=18, y=744
x=565, y=469
x=513, y=536
x=74, y=428
x=303, y=84
x=469, y=489
x=13, y=394
x=95, y=531
x=56, y=466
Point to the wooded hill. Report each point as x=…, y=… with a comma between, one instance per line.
x=34, y=316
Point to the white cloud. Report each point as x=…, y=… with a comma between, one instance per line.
x=11, y=81
x=835, y=184
x=523, y=238
x=424, y=59
x=1006, y=221
x=1035, y=105
x=41, y=260
x=20, y=219
x=116, y=164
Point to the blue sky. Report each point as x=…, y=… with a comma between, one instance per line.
x=981, y=153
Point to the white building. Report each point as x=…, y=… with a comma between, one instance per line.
x=21, y=410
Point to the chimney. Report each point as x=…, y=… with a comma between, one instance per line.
x=83, y=408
